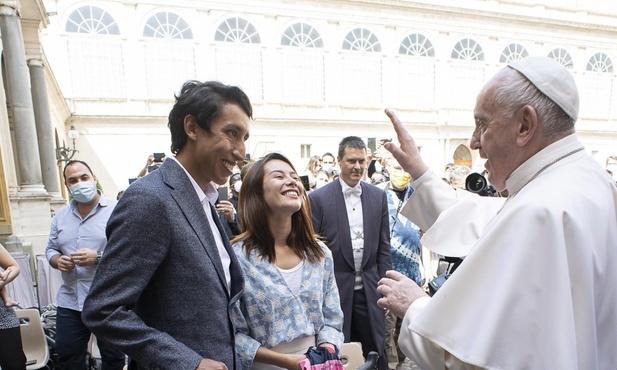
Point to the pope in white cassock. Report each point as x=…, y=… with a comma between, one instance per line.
x=538, y=286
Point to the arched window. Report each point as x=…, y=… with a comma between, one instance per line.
x=361, y=39
x=462, y=156
x=167, y=25
x=562, y=56
x=600, y=62
x=96, y=61
x=417, y=45
x=237, y=30
x=301, y=35
x=468, y=49
x=513, y=52
x=93, y=20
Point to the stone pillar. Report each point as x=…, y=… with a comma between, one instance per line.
x=44, y=128
x=20, y=100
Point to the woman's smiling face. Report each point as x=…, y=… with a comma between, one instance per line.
x=283, y=191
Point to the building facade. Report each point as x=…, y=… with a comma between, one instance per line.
x=316, y=71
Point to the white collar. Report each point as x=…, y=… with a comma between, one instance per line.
x=526, y=171
x=210, y=192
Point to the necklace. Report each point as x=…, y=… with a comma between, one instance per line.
x=539, y=172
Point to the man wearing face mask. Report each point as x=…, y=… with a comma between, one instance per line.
x=405, y=248
x=76, y=243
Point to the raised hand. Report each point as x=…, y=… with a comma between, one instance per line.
x=407, y=155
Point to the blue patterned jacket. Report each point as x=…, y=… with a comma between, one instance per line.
x=269, y=313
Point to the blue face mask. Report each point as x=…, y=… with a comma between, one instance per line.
x=83, y=192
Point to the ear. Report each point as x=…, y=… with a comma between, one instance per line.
x=527, y=125
x=190, y=127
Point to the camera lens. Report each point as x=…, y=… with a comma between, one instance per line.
x=475, y=183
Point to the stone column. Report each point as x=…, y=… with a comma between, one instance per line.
x=44, y=128
x=20, y=100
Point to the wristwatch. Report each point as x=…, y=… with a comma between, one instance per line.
x=99, y=254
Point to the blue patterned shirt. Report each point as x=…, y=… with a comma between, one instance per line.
x=269, y=313
x=405, y=244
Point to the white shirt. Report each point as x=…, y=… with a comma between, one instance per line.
x=537, y=290
x=206, y=198
x=293, y=276
x=353, y=203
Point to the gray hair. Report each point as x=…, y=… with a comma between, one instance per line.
x=514, y=91
x=458, y=172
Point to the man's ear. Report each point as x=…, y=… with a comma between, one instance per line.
x=190, y=127
x=527, y=125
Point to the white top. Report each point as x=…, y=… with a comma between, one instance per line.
x=293, y=276
x=537, y=289
x=353, y=203
x=206, y=198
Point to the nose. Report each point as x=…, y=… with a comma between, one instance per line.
x=240, y=151
x=474, y=143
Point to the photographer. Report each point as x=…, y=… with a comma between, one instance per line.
x=153, y=162
x=227, y=207
x=536, y=289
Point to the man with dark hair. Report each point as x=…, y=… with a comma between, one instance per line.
x=537, y=288
x=76, y=243
x=166, y=284
x=352, y=216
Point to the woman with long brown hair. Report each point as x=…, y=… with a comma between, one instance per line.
x=290, y=300
x=313, y=166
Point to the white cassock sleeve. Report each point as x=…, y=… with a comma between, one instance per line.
x=452, y=220
x=424, y=353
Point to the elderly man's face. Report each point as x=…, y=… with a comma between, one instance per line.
x=495, y=137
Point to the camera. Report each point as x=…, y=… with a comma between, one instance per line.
x=477, y=183
x=305, y=182
x=157, y=162
x=158, y=157
x=436, y=283
x=447, y=266
x=223, y=193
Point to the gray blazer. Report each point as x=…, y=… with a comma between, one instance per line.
x=330, y=221
x=159, y=293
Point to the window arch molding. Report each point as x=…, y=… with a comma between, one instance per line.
x=512, y=52
x=166, y=24
x=469, y=49
x=91, y=19
x=301, y=33
x=236, y=28
x=562, y=55
x=600, y=62
x=361, y=38
x=416, y=44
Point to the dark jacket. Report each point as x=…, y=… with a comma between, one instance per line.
x=159, y=294
x=330, y=221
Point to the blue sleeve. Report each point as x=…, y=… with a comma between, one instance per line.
x=332, y=332
x=52, y=244
x=246, y=347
